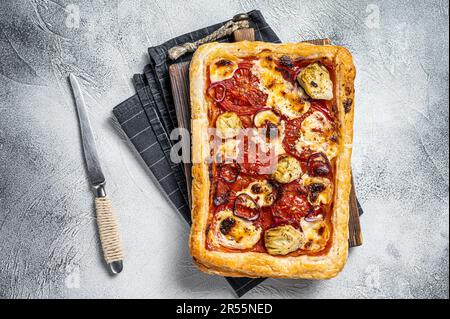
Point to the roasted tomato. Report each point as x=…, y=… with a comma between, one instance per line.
x=292, y=134
x=239, y=94
x=230, y=172
x=246, y=207
x=319, y=165
x=292, y=205
x=221, y=193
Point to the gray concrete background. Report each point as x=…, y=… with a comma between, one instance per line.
x=48, y=241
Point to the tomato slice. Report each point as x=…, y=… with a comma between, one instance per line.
x=221, y=193
x=266, y=219
x=246, y=207
x=239, y=94
x=291, y=136
x=323, y=108
x=319, y=165
x=292, y=205
x=230, y=172
x=217, y=91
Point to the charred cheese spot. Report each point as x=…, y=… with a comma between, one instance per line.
x=222, y=69
x=348, y=105
x=289, y=99
x=318, y=135
x=263, y=117
x=288, y=169
x=320, y=190
x=226, y=225
x=267, y=139
x=261, y=192
x=316, y=234
x=228, y=125
x=315, y=79
x=233, y=232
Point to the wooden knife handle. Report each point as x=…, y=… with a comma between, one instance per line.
x=109, y=233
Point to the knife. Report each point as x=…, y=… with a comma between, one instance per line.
x=106, y=220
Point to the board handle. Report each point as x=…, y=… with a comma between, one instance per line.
x=244, y=34
x=109, y=234
x=238, y=22
x=355, y=234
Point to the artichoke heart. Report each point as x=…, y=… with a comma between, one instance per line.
x=228, y=125
x=288, y=169
x=315, y=79
x=283, y=240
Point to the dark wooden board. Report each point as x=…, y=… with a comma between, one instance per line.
x=354, y=225
x=179, y=77
x=179, y=80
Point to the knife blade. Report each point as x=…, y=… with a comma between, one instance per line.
x=106, y=221
x=93, y=166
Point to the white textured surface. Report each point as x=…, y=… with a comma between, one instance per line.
x=48, y=240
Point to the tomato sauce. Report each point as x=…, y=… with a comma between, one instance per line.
x=241, y=94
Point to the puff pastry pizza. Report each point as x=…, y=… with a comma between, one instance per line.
x=272, y=130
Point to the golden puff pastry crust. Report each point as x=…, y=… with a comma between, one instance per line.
x=257, y=264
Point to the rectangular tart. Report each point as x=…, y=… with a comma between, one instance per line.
x=272, y=132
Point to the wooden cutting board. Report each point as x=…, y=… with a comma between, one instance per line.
x=179, y=77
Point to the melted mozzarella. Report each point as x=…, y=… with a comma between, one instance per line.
x=326, y=196
x=283, y=96
x=316, y=134
x=261, y=192
x=228, y=151
x=233, y=232
x=262, y=117
x=276, y=143
x=232, y=149
x=278, y=147
x=316, y=234
x=222, y=69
